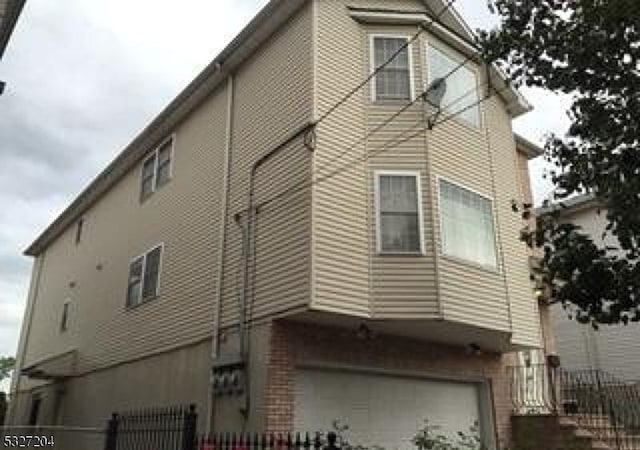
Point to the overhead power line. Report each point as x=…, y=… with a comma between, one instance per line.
x=378, y=69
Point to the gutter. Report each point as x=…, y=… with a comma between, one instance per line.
x=13, y=8
x=261, y=27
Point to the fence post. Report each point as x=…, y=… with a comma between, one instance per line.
x=189, y=430
x=112, y=433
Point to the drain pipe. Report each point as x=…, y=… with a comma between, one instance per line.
x=247, y=248
x=215, y=341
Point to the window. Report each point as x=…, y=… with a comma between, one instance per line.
x=461, y=96
x=144, y=274
x=467, y=225
x=34, y=410
x=399, y=212
x=393, y=82
x=64, y=319
x=156, y=169
x=79, y=226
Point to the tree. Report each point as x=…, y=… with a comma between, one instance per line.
x=7, y=363
x=591, y=50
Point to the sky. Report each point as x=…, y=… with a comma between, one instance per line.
x=84, y=79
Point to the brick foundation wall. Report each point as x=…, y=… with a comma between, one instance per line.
x=295, y=344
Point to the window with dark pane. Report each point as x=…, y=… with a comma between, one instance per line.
x=148, y=171
x=393, y=81
x=399, y=214
x=151, y=273
x=64, y=320
x=135, y=281
x=163, y=172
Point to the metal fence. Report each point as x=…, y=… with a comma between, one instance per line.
x=598, y=402
x=272, y=441
x=172, y=428
x=58, y=437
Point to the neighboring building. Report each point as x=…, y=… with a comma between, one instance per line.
x=9, y=12
x=611, y=348
x=389, y=292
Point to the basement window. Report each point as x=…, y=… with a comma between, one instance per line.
x=144, y=277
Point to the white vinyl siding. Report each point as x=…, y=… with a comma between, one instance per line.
x=467, y=225
x=461, y=97
x=393, y=81
x=156, y=169
x=144, y=274
x=398, y=212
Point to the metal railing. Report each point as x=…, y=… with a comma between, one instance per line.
x=271, y=441
x=172, y=428
x=596, y=401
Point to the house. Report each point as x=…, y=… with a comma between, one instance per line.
x=9, y=12
x=284, y=255
x=611, y=348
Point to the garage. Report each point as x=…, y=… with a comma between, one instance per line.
x=381, y=409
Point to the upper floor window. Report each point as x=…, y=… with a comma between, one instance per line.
x=393, y=82
x=399, y=212
x=64, y=319
x=79, y=229
x=467, y=225
x=156, y=168
x=461, y=97
x=144, y=275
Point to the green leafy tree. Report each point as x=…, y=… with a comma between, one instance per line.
x=589, y=49
x=7, y=363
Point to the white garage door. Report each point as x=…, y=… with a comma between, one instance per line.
x=382, y=410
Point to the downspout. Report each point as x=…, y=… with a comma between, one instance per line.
x=247, y=250
x=222, y=240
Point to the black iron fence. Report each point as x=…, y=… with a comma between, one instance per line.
x=272, y=441
x=172, y=428
x=598, y=402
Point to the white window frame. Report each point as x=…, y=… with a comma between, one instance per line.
x=141, y=299
x=154, y=154
x=378, y=213
x=372, y=66
x=458, y=58
x=496, y=244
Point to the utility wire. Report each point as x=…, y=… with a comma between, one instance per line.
x=404, y=46
x=388, y=145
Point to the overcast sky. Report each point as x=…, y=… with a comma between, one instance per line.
x=85, y=77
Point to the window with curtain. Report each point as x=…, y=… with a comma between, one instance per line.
x=398, y=213
x=462, y=85
x=393, y=82
x=467, y=225
x=144, y=273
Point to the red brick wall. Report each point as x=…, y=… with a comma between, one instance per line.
x=294, y=344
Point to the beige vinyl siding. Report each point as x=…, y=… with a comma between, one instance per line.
x=459, y=153
x=183, y=215
x=340, y=217
x=402, y=287
x=613, y=348
x=273, y=97
x=525, y=317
